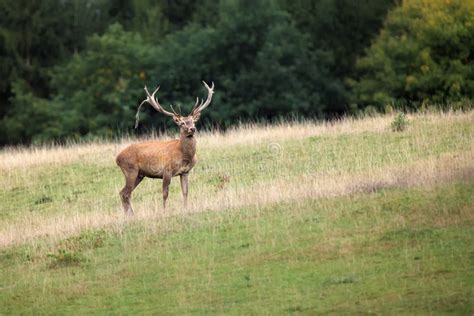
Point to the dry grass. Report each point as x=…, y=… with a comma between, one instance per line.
x=246, y=134
x=429, y=171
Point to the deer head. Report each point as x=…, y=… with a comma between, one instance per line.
x=185, y=123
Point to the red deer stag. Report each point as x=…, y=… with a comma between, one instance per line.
x=162, y=159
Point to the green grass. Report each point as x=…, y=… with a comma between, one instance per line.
x=393, y=251
x=81, y=185
x=369, y=246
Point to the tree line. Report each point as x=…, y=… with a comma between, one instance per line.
x=75, y=69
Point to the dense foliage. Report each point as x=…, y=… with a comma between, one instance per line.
x=75, y=69
x=424, y=54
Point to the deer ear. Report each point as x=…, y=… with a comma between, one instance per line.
x=196, y=116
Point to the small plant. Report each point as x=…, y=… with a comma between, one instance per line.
x=89, y=239
x=370, y=111
x=43, y=199
x=399, y=123
x=65, y=258
x=222, y=181
x=342, y=280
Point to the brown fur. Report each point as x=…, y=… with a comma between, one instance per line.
x=161, y=159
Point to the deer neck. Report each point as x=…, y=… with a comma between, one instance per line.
x=187, y=145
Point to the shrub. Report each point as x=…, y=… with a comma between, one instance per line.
x=399, y=123
x=64, y=258
x=421, y=55
x=90, y=239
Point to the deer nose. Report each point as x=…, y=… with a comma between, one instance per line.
x=192, y=129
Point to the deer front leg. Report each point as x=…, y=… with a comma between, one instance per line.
x=166, y=185
x=184, y=188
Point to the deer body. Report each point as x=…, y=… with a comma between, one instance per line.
x=155, y=158
x=161, y=159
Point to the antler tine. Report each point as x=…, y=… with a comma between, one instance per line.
x=203, y=105
x=150, y=99
x=212, y=85
x=195, y=104
x=175, y=113
x=148, y=93
x=154, y=102
x=154, y=92
x=137, y=116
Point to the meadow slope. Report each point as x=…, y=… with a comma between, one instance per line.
x=308, y=217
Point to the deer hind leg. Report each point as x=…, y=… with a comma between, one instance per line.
x=184, y=188
x=166, y=185
x=132, y=180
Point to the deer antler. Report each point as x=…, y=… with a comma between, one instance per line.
x=199, y=106
x=154, y=103
x=176, y=113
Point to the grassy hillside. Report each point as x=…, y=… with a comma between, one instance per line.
x=304, y=217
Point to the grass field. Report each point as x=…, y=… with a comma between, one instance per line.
x=342, y=217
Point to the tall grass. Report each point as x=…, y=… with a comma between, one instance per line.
x=57, y=191
x=300, y=217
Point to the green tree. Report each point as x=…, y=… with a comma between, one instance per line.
x=31, y=119
x=99, y=87
x=149, y=20
x=154, y=19
x=423, y=54
x=338, y=32
x=268, y=69
x=94, y=93
x=34, y=37
x=260, y=62
x=66, y=65
x=25, y=54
